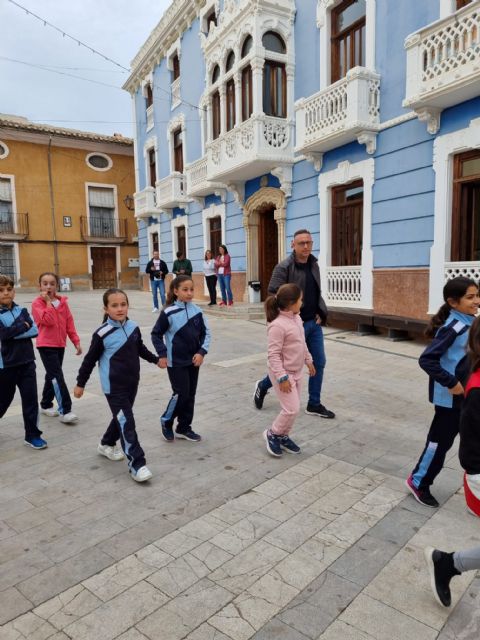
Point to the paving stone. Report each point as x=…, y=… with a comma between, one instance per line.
x=28, y=627
x=67, y=607
x=347, y=528
x=244, y=533
x=132, y=634
x=177, y=543
x=379, y=502
x=294, y=532
x=211, y=555
x=336, y=501
x=398, y=526
x=339, y=630
x=122, y=612
x=12, y=604
x=464, y=621
x=277, y=630
x=362, y=562
x=178, y=575
x=230, y=621
x=206, y=632
x=115, y=579
x=382, y=622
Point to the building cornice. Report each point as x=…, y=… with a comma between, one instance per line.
x=174, y=22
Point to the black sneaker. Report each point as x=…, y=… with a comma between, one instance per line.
x=259, y=395
x=289, y=445
x=188, y=435
x=319, y=410
x=273, y=444
x=442, y=570
x=167, y=431
x=421, y=495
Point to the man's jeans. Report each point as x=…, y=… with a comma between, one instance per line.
x=158, y=285
x=316, y=346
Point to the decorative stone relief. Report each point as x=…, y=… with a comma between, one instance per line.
x=431, y=116
x=284, y=174
x=369, y=139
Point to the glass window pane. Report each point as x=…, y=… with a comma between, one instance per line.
x=247, y=45
x=215, y=74
x=471, y=167
x=351, y=14
x=353, y=193
x=230, y=60
x=273, y=42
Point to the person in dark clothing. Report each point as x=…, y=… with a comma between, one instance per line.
x=445, y=361
x=182, y=265
x=17, y=362
x=117, y=346
x=157, y=270
x=301, y=268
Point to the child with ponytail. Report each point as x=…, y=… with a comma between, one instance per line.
x=445, y=361
x=287, y=353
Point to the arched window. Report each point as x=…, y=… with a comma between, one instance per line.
x=247, y=46
x=273, y=42
x=230, y=104
x=215, y=115
x=230, y=61
x=247, y=96
x=149, y=95
x=274, y=89
x=215, y=74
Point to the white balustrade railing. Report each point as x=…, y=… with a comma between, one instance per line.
x=145, y=202
x=344, y=285
x=196, y=173
x=467, y=269
x=443, y=57
x=175, y=89
x=353, y=102
x=150, y=121
x=171, y=191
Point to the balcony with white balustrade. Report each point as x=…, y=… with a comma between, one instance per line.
x=145, y=203
x=344, y=286
x=250, y=149
x=198, y=185
x=443, y=64
x=171, y=192
x=343, y=112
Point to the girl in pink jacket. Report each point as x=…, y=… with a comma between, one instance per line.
x=287, y=353
x=55, y=322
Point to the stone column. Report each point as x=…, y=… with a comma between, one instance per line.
x=257, y=85
x=280, y=216
x=238, y=98
x=223, y=105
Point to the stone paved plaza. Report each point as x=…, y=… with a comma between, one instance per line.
x=226, y=542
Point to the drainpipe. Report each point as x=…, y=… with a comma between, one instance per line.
x=52, y=209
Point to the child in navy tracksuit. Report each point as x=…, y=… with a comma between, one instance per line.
x=187, y=339
x=17, y=362
x=117, y=346
x=445, y=361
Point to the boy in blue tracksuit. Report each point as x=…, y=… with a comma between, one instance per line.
x=445, y=361
x=17, y=362
x=187, y=339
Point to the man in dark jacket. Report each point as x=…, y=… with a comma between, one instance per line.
x=182, y=265
x=301, y=268
x=157, y=270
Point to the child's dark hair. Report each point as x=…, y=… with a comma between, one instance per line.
x=453, y=290
x=106, y=296
x=6, y=281
x=474, y=345
x=287, y=295
x=49, y=273
x=174, y=284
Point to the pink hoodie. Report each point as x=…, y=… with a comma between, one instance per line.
x=287, y=350
x=54, y=324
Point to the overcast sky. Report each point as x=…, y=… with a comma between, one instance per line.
x=117, y=28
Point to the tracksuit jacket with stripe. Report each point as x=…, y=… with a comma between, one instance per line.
x=15, y=339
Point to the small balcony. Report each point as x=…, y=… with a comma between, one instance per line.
x=198, y=185
x=171, y=192
x=443, y=64
x=347, y=110
x=145, y=203
x=253, y=147
x=13, y=226
x=108, y=230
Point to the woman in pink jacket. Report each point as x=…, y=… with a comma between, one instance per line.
x=224, y=275
x=55, y=322
x=287, y=354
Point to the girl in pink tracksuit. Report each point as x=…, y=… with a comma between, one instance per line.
x=287, y=354
x=55, y=322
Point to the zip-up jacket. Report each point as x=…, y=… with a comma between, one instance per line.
x=160, y=274
x=186, y=333
x=287, y=350
x=54, y=323
x=117, y=348
x=287, y=272
x=16, y=346
x=469, y=450
x=445, y=359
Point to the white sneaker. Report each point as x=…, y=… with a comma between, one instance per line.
x=69, y=418
x=141, y=475
x=51, y=412
x=112, y=453
x=154, y=310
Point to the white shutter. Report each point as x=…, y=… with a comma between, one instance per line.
x=101, y=197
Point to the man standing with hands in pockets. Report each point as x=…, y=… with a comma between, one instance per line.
x=157, y=270
x=301, y=268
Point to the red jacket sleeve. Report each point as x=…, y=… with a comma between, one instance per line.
x=43, y=314
x=71, y=331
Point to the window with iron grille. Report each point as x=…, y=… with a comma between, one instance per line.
x=101, y=204
x=7, y=261
x=6, y=206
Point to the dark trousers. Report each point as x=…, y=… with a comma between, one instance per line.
x=25, y=379
x=184, y=382
x=443, y=430
x=122, y=427
x=212, y=288
x=55, y=385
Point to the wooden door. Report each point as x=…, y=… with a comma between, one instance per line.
x=267, y=248
x=104, y=267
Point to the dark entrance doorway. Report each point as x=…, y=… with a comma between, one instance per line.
x=104, y=270
x=267, y=248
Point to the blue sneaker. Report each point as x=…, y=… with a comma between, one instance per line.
x=289, y=445
x=273, y=444
x=36, y=443
x=167, y=431
x=188, y=435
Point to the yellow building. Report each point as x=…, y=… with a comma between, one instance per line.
x=66, y=206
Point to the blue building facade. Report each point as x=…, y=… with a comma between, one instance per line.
x=356, y=119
